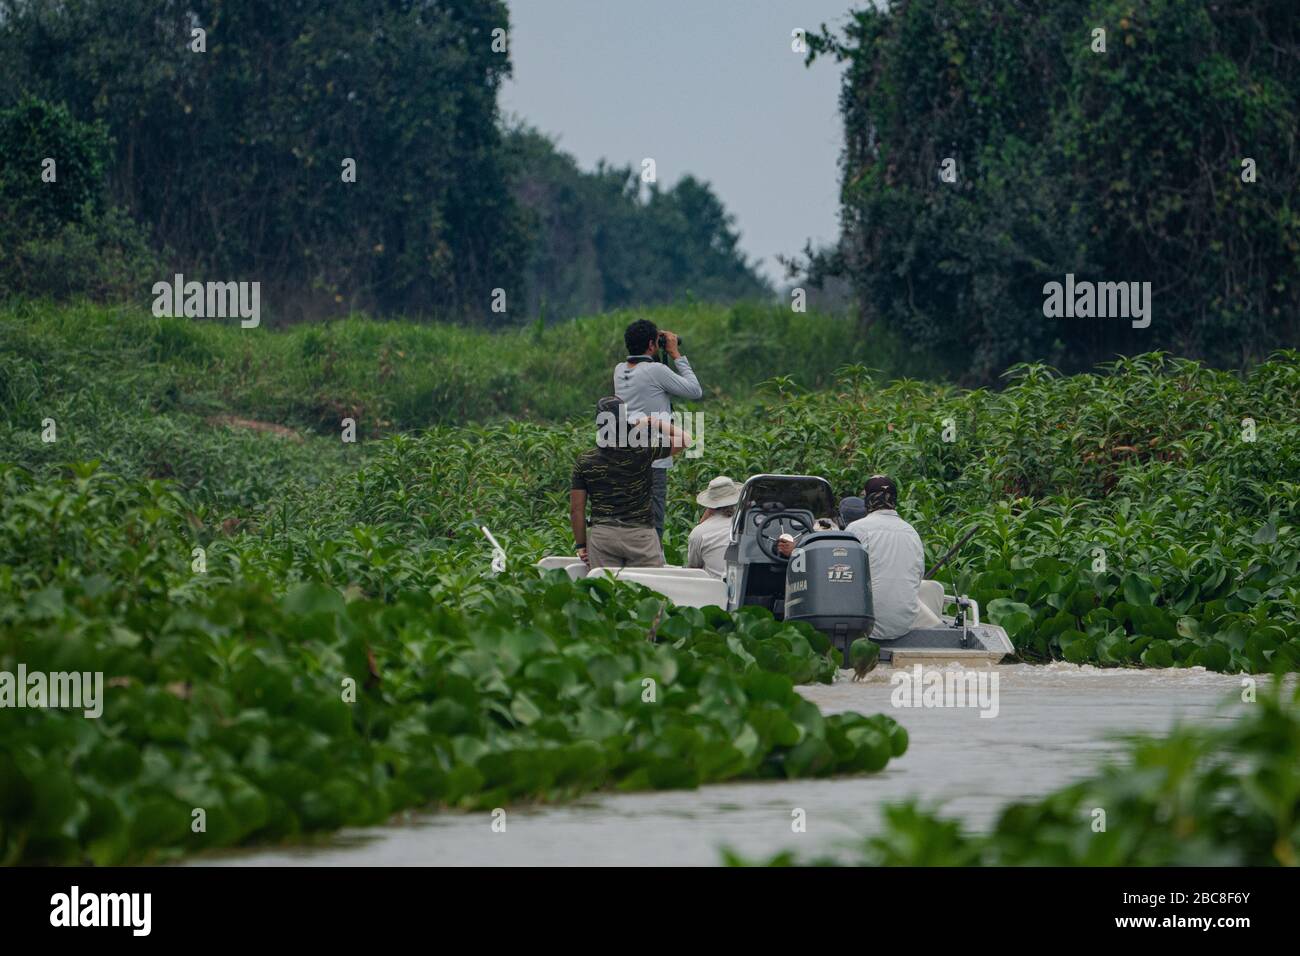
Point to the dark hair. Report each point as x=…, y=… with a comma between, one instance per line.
x=639, y=335
x=880, y=492
x=610, y=405
x=851, y=509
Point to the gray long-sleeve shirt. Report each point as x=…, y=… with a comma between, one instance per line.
x=707, y=546
x=647, y=386
x=897, y=561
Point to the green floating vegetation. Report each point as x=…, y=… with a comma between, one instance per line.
x=1145, y=515
x=279, y=708
x=1127, y=518
x=1227, y=794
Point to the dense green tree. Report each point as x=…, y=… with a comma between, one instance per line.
x=230, y=152
x=35, y=197
x=1125, y=165
x=58, y=236
x=234, y=155
x=601, y=241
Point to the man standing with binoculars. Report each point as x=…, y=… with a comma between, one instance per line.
x=647, y=387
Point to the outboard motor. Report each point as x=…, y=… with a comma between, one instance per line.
x=828, y=584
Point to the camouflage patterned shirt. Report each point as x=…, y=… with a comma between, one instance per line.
x=618, y=482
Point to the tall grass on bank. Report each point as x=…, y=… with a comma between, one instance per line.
x=392, y=376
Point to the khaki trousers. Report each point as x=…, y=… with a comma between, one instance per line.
x=612, y=546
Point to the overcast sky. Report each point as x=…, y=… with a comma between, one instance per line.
x=707, y=87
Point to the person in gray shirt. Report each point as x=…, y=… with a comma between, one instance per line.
x=648, y=386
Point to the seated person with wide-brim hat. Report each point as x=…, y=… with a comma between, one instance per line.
x=707, y=546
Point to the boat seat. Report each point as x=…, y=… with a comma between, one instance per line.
x=672, y=571
x=931, y=595
x=688, y=587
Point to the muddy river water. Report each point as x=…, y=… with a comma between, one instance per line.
x=1053, y=724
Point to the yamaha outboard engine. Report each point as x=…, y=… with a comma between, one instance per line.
x=828, y=584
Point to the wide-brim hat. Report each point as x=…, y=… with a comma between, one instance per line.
x=721, y=493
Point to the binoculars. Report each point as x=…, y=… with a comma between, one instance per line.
x=663, y=341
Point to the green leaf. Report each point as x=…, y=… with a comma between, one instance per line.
x=524, y=710
x=1158, y=654
x=310, y=598
x=1267, y=533
x=1138, y=590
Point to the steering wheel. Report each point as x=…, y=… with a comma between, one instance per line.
x=767, y=543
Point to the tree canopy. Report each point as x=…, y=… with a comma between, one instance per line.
x=1123, y=165
x=229, y=131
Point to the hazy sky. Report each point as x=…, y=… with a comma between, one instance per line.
x=707, y=87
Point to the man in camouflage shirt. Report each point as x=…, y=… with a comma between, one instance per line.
x=615, y=479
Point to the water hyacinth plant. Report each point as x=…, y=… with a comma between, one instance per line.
x=1125, y=518
x=299, y=633
x=280, y=704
